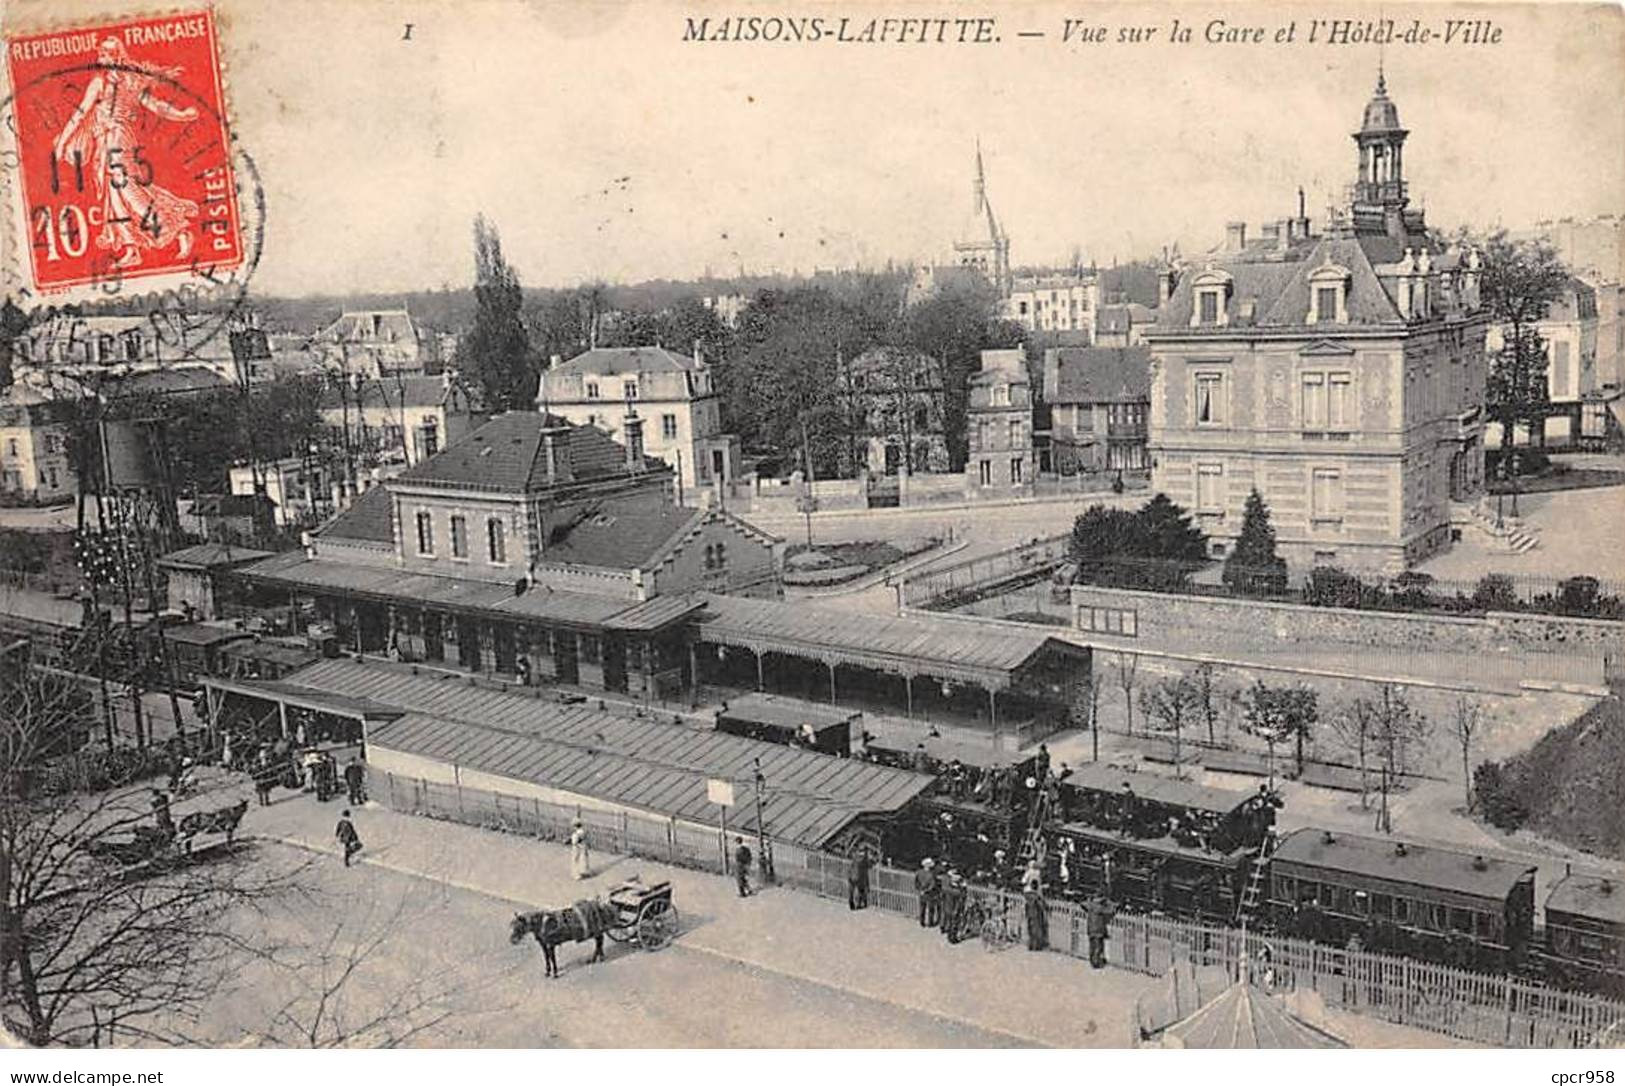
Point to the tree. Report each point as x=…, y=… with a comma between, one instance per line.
x=1154, y=547
x=782, y=372
x=1128, y=668
x=1207, y=693
x=346, y=994
x=1175, y=702
x=13, y=323
x=1279, y=713
x=954, y=326
x=1395, y=727
x=93, y=936
x=1466, y=721
x=495, y=351
x=1253, y=566
x=1355, y=726
x=1521, y=279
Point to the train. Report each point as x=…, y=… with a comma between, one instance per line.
x=1170, y=847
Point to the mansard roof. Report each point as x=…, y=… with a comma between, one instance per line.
x=1279, y=291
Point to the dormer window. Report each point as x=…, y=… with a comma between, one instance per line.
x=1209, y=306
x=1211, y=296
x=1328, y=295
x=1325, y=304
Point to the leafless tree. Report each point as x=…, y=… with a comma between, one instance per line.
x=1467, y=720
x=1175, y=702
x=1396, y=727
x=105, y=926
x=1128, y=668
x=346, y=995
x=1356, y=726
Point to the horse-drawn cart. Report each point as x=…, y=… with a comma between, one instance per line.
x=634, y=914
x=644, y=914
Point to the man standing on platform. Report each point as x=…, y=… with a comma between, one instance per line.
x=1097, y=917
x=928, y=891
x=355, y=778
x=742, y=866
x=857, y=890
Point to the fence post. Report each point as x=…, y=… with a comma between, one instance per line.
x=1507, y=1005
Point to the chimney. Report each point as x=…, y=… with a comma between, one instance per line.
x=553, y=362
x=1167, y=280
x=1283, y=239
x=1052, y=374
x=699, y=359
x=1235, y=236
x=632, y=427
x=556, y=453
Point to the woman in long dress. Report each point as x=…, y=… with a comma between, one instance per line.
x=103, y=132
x=580, y=859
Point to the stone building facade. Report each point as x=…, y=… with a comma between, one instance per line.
x=1343, y=376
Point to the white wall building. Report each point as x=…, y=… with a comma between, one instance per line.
x=674, y=394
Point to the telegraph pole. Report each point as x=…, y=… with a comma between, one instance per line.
x=761, y=827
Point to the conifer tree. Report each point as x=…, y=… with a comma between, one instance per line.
x=1254, y=566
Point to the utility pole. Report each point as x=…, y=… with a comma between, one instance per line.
x=809, y=499
x=761, y=827
x=120, y=526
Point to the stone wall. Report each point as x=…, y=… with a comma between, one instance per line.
x=1530, y=647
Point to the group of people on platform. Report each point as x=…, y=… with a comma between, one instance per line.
x=288, y=762
x=946, y=902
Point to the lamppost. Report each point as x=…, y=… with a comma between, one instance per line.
x=761, y=827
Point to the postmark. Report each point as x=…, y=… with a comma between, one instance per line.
x=123, y=182
x=122, y=152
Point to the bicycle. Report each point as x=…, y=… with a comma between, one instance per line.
x=999, y=931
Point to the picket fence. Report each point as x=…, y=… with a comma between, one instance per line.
x=1492, y=1010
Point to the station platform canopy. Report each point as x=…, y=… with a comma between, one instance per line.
x=937, y=646
x=647, y=763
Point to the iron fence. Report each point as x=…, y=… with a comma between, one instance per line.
x=1034, y=560
x=1478, y=1007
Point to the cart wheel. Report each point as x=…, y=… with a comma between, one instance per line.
x=657, y=926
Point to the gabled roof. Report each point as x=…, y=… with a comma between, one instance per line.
x=370, y=518
x=1102, y=375
x=1485, y=876
x=505, y=455
x=609, y=361
x=371, y=326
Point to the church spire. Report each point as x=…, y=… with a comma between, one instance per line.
x=981, y=180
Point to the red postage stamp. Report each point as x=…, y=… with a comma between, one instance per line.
x=122, y=153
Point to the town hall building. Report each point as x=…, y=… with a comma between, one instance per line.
x=1343, y=376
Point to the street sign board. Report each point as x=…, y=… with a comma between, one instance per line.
x=720, y=792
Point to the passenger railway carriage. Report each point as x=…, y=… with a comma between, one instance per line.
x=1585, y=933
x=1475, y=911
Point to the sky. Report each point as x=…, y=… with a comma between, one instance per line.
x=605, y=147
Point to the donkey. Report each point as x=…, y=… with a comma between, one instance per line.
x=552, y=927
